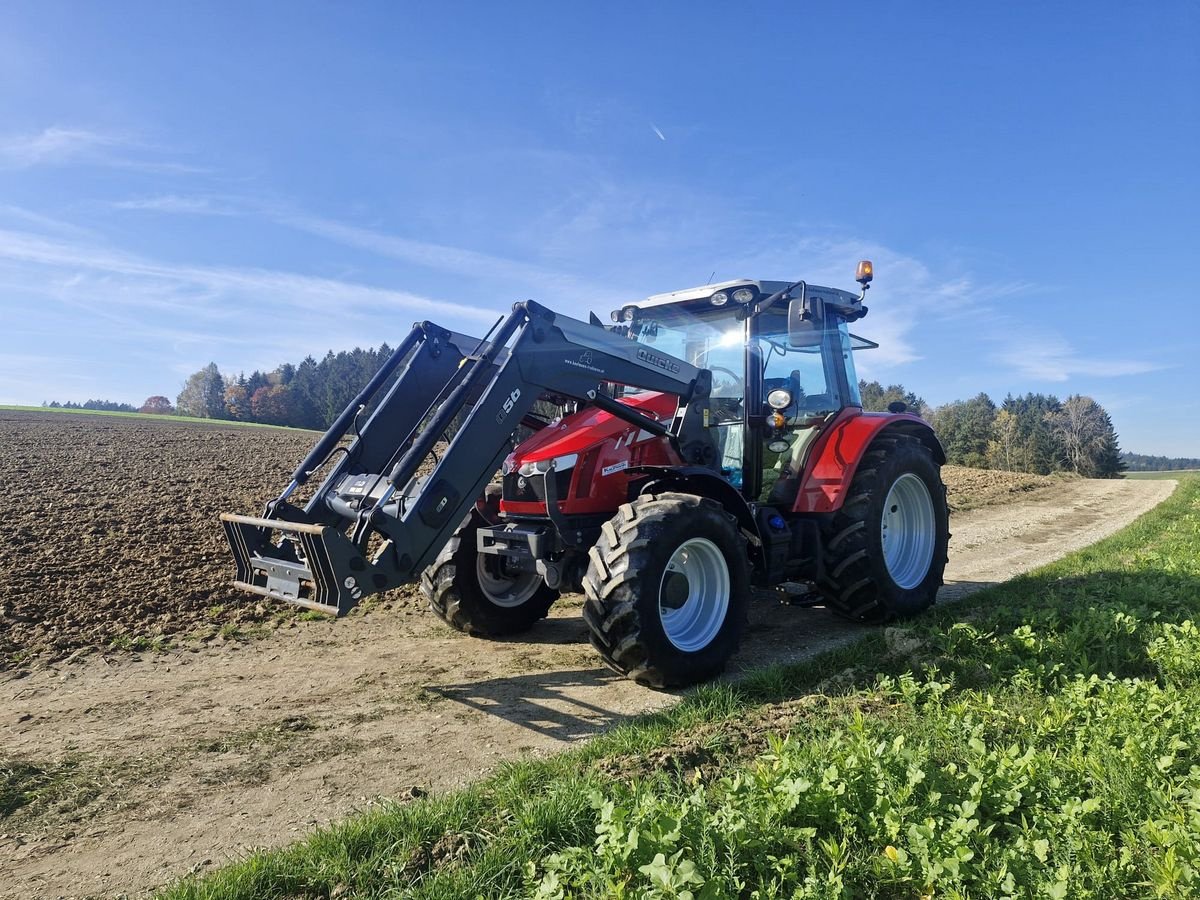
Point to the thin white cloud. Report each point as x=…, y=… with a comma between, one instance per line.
x=58, y=146
x=54, y=145
x=135, y=318
x=205, y=302
x=1052, y=358
x=528, y=278
x=28, y=217
x=197, y=205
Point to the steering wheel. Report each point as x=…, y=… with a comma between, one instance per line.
x=734, y=376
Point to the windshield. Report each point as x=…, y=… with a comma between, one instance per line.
x=710, y=339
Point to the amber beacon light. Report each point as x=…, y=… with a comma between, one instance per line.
x=865, y=272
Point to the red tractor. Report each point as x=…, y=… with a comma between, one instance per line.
x=711, y=442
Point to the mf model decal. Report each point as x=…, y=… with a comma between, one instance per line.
x=509, y=402
x=661, y=362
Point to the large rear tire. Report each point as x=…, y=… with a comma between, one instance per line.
x=885, y=549
x=472, y=592
x=667, y=587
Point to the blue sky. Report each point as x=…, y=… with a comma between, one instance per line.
x=251, y=183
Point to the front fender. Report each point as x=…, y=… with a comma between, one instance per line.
x=837, y=451
x=702, y=482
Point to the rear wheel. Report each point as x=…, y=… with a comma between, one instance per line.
x=667, y=587
x=885, y=549
x=477, y=594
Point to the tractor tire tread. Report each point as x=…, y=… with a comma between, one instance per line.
x=451, y=588
x=615, y=580
x=855, y=584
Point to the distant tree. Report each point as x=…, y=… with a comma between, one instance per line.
x=256, y=380
x=270, y=405
x=237, y=402
x=157, y=404
x=1087, y=436
x=1038, y=448
x=203, y=395
x=965, y=427
x=1108, y=462
x=876, y=397
x=306, y=387
x=1003, y=449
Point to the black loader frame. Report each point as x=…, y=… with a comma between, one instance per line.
x=375, y=523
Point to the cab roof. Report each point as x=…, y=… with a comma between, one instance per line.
x=843, y=300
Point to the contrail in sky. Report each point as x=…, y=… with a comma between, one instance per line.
x=661, y=136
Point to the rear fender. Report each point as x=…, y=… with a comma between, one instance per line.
x=837, y=451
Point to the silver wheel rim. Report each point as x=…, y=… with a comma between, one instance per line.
x=908, y=530
x=693, y=596
x=502, y=590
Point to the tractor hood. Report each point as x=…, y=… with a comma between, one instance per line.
x=579, y=432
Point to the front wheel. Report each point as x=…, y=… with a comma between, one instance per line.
x=476, y=593
x=885, y=549
x=667, y=587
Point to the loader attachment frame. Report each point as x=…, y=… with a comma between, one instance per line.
x=376, y=522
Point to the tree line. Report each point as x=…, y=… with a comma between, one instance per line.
x=1035, y=433
x=309, y=395
x=102, y=405
x=1140, y=462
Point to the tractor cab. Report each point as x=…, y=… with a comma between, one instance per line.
x=782, y=367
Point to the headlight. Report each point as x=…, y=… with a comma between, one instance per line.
x=743, y=295
x=542, y=466
x=779, y=399
x=720, y=298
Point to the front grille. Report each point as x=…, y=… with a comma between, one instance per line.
x=532, y=488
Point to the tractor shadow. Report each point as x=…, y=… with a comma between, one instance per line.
x=572, y=705
x=566, y=706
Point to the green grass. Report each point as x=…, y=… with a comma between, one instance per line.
x=1175, y=474
x=145, y=416
x=59, y=787
x=1041, y=740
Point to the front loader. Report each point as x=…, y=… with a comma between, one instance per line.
x=711, y=442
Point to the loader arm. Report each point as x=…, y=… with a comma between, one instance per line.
x=375, y=522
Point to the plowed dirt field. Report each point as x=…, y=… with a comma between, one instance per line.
x=111, y=529
x=153, y=721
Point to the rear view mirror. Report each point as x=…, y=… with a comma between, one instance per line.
x=804, y=320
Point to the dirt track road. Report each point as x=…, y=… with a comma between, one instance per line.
x=206, y=753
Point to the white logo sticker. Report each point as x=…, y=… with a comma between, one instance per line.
x=615, y=467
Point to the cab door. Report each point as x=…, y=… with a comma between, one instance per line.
x=803, y=383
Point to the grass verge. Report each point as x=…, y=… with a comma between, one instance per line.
x=1040, y=740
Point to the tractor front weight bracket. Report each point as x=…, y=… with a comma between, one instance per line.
x=313, y=566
